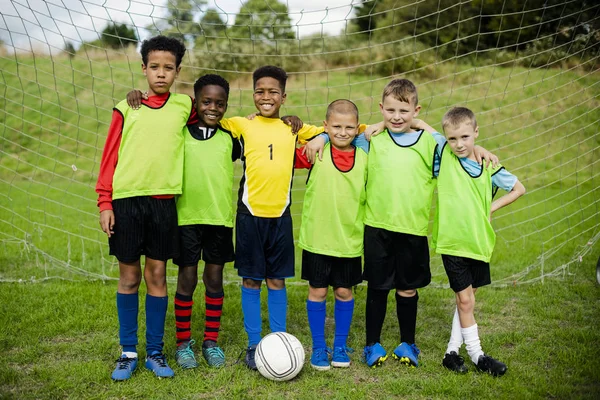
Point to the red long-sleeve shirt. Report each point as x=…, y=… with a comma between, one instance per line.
x=110, y=154
x=344, y=160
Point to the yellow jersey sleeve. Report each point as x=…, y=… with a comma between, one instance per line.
x=235, y=125
x=307, y=132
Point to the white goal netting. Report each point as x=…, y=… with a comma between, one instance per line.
x=529, y=70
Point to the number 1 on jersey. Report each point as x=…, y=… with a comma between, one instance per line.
x=271, y=151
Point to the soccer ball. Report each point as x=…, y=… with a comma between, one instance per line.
x=279, y=356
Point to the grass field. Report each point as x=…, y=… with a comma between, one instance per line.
x=59, y=340
x=59, y=336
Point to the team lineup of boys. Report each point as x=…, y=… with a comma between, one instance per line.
x=369, y=194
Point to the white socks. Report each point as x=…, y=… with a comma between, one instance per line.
x=456, y=337
x=471, y=337
x=129, y=354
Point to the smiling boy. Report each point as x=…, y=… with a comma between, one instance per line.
x=205, y=216
x=264, y=233
x=331, y=234
x=463, y=234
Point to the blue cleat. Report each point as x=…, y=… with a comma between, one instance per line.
x=374, y=355
x=213, y=354
x=157, y=363
x=185, y=355
x=124, y=369
x=340, y=357
x=320, y=359
x=408, y=354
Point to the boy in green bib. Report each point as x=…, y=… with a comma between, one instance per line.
x=205, y=215
x=331, y=234
x=399, y=195
x=463, y=234
x=140, y=174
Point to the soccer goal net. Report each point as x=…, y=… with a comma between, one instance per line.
x=529, y=70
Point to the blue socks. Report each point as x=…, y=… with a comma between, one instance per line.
x=156, y=311
x=343, y=319
x=251, y=310
x=277, y=302
x=316, y=320
x=127, y=311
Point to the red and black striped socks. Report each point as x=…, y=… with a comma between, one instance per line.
x=183, y=317
x=214, y=309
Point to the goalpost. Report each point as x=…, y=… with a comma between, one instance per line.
x=530, y=72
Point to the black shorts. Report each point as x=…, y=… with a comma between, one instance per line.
x=395, y=260
x=264, y=247
x=322, y=271
x=463, y=272
x=144, y=226
x=211, y=243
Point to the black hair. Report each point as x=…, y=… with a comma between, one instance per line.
x=163, y=43
x=210, y=79
x=270, y=71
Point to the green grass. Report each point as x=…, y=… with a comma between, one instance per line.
x=59, y=340
x=59, y=335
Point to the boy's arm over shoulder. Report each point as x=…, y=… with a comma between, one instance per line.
x=507, y=181
x=308, y=132
x=193, y=118
x=109, y=160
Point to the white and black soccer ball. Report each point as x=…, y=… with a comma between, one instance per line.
x=279, y=356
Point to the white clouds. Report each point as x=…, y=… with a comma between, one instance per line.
x=47, y=24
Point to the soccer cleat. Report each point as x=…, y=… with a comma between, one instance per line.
x=249, y=360
x=213, y=354
x=320, y=359
x=157, y=363
x=340, y=357
x=491, y=366
x=185, y=355
x=455, y=363
x=408, y=354
x=124, y=369
x=374, y=355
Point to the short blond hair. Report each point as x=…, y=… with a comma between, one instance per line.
x=401, y=89
x=342, y=106
x=457, y=116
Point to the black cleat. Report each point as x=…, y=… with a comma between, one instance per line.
x=491, y=366
x=455, y=363
x=249, y=360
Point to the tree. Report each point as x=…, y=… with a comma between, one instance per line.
x=70, y=49
x=211, y=24
x=461, y=27
x=266, y=20
x=118, y=36
x=181, y=19
x=365, y=21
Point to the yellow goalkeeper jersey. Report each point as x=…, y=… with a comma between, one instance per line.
x=268, y=151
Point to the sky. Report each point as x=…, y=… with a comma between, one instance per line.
x=45, y=25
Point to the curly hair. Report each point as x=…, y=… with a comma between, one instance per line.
x=210, y=79
x=270, y=71
x=163, y=43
